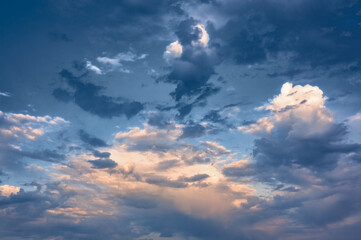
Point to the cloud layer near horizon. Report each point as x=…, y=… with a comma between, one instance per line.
x=150, y=180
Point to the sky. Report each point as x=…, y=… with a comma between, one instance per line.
x=180, y=119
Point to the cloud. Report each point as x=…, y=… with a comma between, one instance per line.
x=166, y=164
x=299, y=108
x=132, y=190
x=5, y=94
x=8, y=190
x=195, y=178
x=156, y=181
x=174, y=50
x=192, y=61
x=171, y=171
x=214, y=146
x=88, y=97
x=93, y=68
x=153, y=177
x=354, y=123
x=304, y=158
x=101, y=154
x=24, y=137
x=149, y=138
x=17, y=125
x=193, y=130
x=92, y=141
x=300, y=130
x=262, y=125
x=203, y=36
x=249, y=32
x=44, y=155
x=158, y=120
x=165, y=182
x=116, y=63
x=103, y=163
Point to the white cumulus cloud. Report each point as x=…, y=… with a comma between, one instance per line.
x=174, y=50
x=299, y=108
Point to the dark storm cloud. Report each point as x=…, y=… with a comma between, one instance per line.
x=193, y=130
x=11, y=158
x=186, y=33
x=167, y=164
x=88, y=97
x=91, y=140
x=214, y=116
x=165, y=182
x=195, y=178
x=318, y=32
x=145, y=211
x=208, y=90
x=185, y=107
x=149, y=145
x=101, y=154
x=103, y=163
x=331, y=203
x=139, y=201
x=277, y=154
x=126, y=21
x=158, y=120
x=25, y=207
x=314, y=173
x=171, y=222
x=316, y=212
x=191, y=74
x=320, y=152
x=62, y=95
x=198, y=160
x=218, y=116
x=237, y=171
x=44, y=155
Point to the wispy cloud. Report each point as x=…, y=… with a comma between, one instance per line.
x=115, y=63
x=5, y=94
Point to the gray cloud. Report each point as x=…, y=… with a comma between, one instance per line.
x=87, y=96
x=103, y=163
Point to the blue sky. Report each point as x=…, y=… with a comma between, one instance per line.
x=199, y=119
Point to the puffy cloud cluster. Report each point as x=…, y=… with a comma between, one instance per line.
x=7, y=190
x=15, y=126
x=18, y=132
x=307, y=162
x=155, y=174
x=299, y=109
